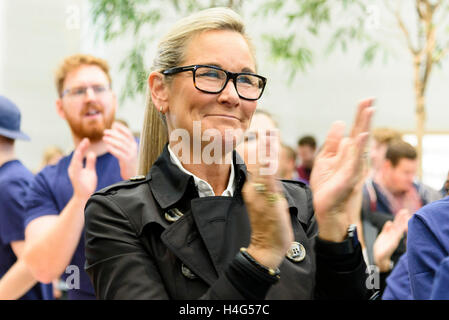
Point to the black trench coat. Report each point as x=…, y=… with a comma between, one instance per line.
x=134, y=252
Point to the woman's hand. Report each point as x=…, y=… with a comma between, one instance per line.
x=337, y=170
x=272, y=233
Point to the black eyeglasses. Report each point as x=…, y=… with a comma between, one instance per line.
x=212, y=79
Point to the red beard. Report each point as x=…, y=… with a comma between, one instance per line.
x=91, y=128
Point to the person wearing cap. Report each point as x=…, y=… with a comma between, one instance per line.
x=105, y=153
x=15, y=179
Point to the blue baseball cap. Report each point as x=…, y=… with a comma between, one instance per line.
x=10, y=120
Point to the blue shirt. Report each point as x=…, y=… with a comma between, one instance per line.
x=440, y=290
x=49, y=193
x=427, y=246
x=398, y=283
x=14, y=182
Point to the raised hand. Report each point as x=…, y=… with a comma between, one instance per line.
x=337, y=170
x=388, y=240
x=83, y=178
x=272, y=232
x=121, y=144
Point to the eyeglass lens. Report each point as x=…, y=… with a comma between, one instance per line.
x=213, y=80
x=81, y=91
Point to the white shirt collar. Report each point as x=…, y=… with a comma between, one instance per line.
x=203, y=187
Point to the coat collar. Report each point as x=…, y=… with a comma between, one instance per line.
x=169, y=184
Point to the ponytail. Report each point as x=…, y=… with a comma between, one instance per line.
x=153, y=137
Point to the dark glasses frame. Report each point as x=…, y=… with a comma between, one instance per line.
x=229, y=75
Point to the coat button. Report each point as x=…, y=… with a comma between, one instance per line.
x=173, y=215
x=137, y=178
x=297, y=252
x=186, y=272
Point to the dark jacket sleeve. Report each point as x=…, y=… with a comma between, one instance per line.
x=337, y=276
x=116, y=262
x=341, y=276
x=120, y=267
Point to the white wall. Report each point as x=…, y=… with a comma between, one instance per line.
x=39, y=33
x=36, y=39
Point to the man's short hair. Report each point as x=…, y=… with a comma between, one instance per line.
x=291, y=154
x=399, y=149
x=307, y=141
x=74, y=62
x=386, y=135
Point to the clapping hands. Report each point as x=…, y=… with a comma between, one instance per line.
x=271, y=227
x=388, y=240
x=83, y=177
x=121, y=143
x=338, y=169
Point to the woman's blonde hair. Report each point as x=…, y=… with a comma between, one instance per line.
x=171, y=53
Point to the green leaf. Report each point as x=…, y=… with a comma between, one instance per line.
x=370, y=53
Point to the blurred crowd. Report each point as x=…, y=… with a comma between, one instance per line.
x=41, y=220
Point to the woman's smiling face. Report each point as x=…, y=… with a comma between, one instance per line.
x=224, y=111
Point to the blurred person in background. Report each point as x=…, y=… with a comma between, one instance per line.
x=306, y=151
x=388, y=204
x=105, y=153
x=382, y=244
x=445, y=189
x=262, y=122
x=15, y=179
x=136, y=134
x=421, y=272
x=50, y=156
x=380, y=140
x=287, y=164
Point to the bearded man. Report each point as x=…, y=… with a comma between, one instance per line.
x=57, y=196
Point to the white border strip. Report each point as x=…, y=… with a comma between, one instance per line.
x=2, y=43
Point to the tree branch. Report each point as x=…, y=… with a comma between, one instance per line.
x=403, y=28
x=430, y=43
x=418, y=9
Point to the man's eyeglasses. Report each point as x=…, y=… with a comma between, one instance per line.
x=79, y=92
x=212, y=79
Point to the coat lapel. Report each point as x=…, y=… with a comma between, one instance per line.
x=223, y=225
x=208, y=236
x=183, y=240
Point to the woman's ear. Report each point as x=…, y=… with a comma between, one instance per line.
x=159, y=91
